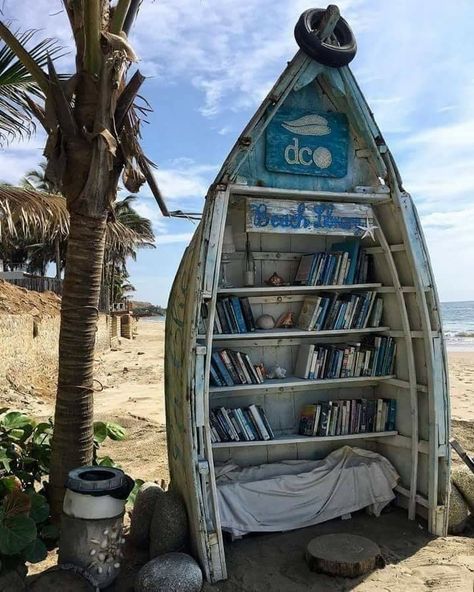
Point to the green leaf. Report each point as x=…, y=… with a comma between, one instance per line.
x=39, y=507
x=115, y=431
x=15, y=419
x=16, y=533
x=42, y=433
x=35, y=551
x=49, y=532
x=100, y=431
x=106, y=461
x=8, y=484
x=5, y=459
x=133, y=494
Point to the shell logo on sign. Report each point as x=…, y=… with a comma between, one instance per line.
x=307, y=143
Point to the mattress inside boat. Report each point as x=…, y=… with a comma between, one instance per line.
x=297, y=493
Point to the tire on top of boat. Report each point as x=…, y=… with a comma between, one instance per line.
x=324, y=52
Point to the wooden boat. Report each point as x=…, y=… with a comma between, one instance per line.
x=311, y=166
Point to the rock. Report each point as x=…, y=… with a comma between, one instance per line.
x=458, y=511
x=145, y=502
x=12, y=581
x=175, y=572
x=66, y=578
x=169, y=525
x=463, y=478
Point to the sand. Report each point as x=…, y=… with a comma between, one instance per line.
x=131, y=392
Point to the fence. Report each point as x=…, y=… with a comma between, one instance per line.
x=39, y=283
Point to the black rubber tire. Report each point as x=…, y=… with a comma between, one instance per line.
x=324, y=53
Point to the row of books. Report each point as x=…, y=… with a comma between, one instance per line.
x=356, y=310
x=229, y=367
x=373, y=357
x=243, y=424
x=345, y=263
x=350, y=416
x=234, y=315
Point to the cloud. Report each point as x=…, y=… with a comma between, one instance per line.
x=168, y=239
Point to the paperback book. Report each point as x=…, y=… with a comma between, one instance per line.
x=374, y=356
x=349, y=416
x=230, y=367
x=243, y=424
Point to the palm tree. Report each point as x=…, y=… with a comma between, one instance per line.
x=126, y=218
x=93, y=137
x=32, y=222
x=36, y=179
x=17, y=84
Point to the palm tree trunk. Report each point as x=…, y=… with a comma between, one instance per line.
x=72, y=443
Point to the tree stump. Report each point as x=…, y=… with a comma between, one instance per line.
x=345, y=555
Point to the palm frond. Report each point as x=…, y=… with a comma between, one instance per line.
x=16, y=83
x=27, y=214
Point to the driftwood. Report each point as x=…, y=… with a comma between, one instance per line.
x=344, y=555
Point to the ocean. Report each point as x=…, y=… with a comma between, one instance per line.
x=458, y=323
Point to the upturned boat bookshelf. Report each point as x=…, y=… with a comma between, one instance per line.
x=353, y=176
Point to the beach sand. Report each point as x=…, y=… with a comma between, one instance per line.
x=133, y=395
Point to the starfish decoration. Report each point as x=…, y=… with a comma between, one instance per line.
x=368, y=229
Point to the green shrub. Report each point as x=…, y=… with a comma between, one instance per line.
x=26, y=531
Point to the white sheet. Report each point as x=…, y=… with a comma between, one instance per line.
x=294, y=494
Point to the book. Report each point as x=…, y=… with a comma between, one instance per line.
x=351, y=247
x=376, y=315
x=308, y=313
x=392, y=413
x=224, y=355
x=221, y=369
x=307, y=420
x=304, y=270
x=236, y=365
x=303, y=361
x=248, y=314
x=260, y=424
x=239, y=315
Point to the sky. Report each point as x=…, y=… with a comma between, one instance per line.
x=209, y=65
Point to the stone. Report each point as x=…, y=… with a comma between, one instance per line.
x=458, y=511
x=142, y=514
x=463, y=478
x=175, y=572
x=169, y=525
x=64, y=578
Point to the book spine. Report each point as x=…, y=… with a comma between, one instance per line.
x=258, y=420
x=215, y=378
x=392, y=415
x=251, y=423
x=228, y=316
x=221, y=367
x=264, y=417
x=239, y=316
x=248, y=314
x=230, y=367
x=243, y=420
x=232, y=355
x=222, y=317
x=243, y=366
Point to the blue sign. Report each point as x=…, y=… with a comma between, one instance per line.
x=308, y=143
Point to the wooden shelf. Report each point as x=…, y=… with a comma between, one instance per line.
x=293, y=383
x=293, y=290
x=290, y=333
x=297, y=439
